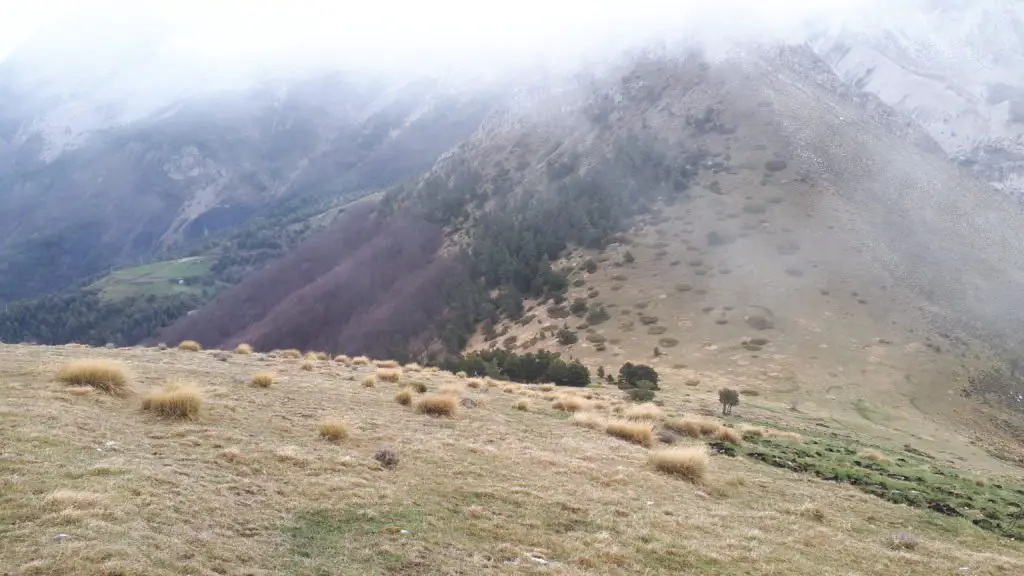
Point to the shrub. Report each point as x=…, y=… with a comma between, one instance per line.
x=369, y=382
x=567, y=337
x=578, y=307
x=333, y=429
x=628, y=257
x=263, y=380
x=522, y=404
x=640, y=395
x=647, y=411
x=541, y=366
x=243, y=349
x=589, y=420
x=728, y=398
x=728, y=435
x=291, y=354
x=389, y=375
x=437, y=405
x=590, y=265
x=175, y=400
x=321, y=356
x=190, y=346
x=102, y=375
x=635, y=432
x=597, y=315
x=404, y=397
x=633, y=374
x=687, y=462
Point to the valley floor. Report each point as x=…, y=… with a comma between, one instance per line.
x=90, y=484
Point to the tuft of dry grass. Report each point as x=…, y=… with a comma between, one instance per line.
x=360, y=361
x=589, y=420
x=510, y=389
x=102, y=375
x=454, y=388
x=369, y=382
x=176, y=400
x=437, y=405
x=685, y=426
x=730, y=435
x=404, y=397
x=648, y=411
x=413, y=367
x=873, y=455
x=748, y=431
x=80, y=390
x=708, y=427
x=571, y=404
x=333, y=429
x=243, y=349
x=475, y=383
x=687, y=462
x=546, y=387
x=641, y=433
x=787, y=436
x=342, y=359
x=190, y=346
x=306, y=366
x=902, y=541
x=388, y=364
x=415, y=385
x=812, y=511
x=392, y=375
x=263, y=380
x=522, y=405
x=291, y=354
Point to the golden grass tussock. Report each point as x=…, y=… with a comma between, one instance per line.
x=80, y=390
x=748, y=431
x=306, y=366
x=63, y=499
x=687, y=462
x=189, y=346
x=475, y=383
x=176, y=400
x=685, y=426
x=342, y=359
x=438, y=405
x=647, y=411
x=546, y=387
x=641, y=433
x=729, y=435
x=455, y=388
x=369, y=381
x=404, y=397
x=360, y=361
x=571, y=404
x=413, y=367
x=873, y=455
x=291, y=353
x=322, y=356
x=462, y=374
x=311, y=357
x=103, y=375
x=388, y=364
x=786, y=436
x=243, y=349
x=392, y=375
x=523, y=405
x=510, y=389
x=588, y=420
x=415, y=385
x=263, y=380
x=708, y=427
x=333, y=429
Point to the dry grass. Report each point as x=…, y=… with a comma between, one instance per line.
x=404, y=397
x=589, y=420
x=812, y=511
x=686, y=426
x=333, y=429
x=243, y=349
x=103, y=375
x=438, y=405
x=415, y=385
x=571, y=404
x=641, y=433
x=748, y=431
x=873, y=455
x=453, y=388
x=546, y=387
x=176, y=400
x=523, y=405
x=787, y=436
x=392, y=375
x=369, y=382
x=645, y=412
x=343, y=359
x=388, y=364
x=306, y=366
x=688, y=462
x=80, y=390
x=510, y=389
x=263, y=380
x=730, y=435
x=291, y=354
x=475, y=383
x=189, y=346
x=360, y=361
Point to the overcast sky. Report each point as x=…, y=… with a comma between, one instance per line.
x=404, y=33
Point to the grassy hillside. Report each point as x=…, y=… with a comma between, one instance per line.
x=93, y=484
x=181, y=276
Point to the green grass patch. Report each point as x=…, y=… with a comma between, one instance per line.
x=907, y=479
x=184, y=276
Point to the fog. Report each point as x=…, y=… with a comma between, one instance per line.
x=198, y=41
